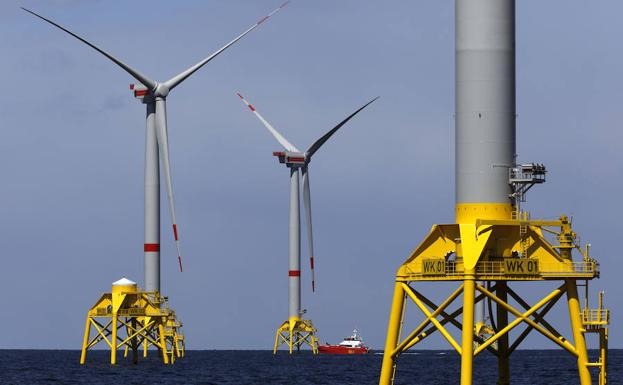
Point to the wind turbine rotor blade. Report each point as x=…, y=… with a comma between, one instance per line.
x=283, y=141
x=147, y=82
x=163, y=144
x=177, y=79
x=317, y=144
x=308, y=219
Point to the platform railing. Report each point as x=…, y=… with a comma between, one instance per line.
x=596, y=316
x=499, y=269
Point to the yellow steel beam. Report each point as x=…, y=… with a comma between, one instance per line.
x=578, y=332
x=101, y=331
x=146, y=335
x=428, y=332
x=96, y=339
x=100, y=336
x=467, y=333
x=113, y=340
x=473, y=244
x=135, y=332
x=544, y=243
x=428, y=320
x=470, y=212
x=163, y=345
x=538, y=318
x=524, y=317
x=85, y=341
x=603, y=355
x=512, y=222
x=446, y=318
x=393, y=335
x=428, y=314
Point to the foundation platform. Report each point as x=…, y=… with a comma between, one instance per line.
x=130, y=319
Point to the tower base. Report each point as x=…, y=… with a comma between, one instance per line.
x=498, y=253
x=129, y=319
x=294, y=333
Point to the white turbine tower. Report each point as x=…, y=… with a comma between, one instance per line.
x=154, y=95
x=296, y=331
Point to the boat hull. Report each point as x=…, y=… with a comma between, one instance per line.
x=336, y=349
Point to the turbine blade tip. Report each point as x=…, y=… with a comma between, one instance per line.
x=32, y=12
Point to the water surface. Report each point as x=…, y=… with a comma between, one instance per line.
x=221, y=367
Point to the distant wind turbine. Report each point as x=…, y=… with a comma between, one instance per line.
x=298, y=161
x=154, y=95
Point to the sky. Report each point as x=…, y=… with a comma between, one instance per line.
x=72, y=147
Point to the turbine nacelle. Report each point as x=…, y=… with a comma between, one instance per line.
x=292, y=159
x=146, y=95
x=142, y=93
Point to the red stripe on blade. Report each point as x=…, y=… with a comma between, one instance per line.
x=175, y=231
x=151, y=247
x=251, y=108
x=311, y=262
x=294, y=273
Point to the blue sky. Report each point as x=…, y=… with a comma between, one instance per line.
x=72, y=145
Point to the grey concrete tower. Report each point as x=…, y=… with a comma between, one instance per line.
x=152, y=201
x=485, y=100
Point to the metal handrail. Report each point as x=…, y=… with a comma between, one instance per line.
x=497, y=268
x=596, y=316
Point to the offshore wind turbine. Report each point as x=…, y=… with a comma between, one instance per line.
x=296, y=331
x=154, y=94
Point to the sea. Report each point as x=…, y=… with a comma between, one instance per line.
x=223, y=367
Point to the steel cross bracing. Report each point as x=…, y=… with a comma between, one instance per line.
x=446, y=255
x=531, y=316
x=129, y=319
x=295, y=334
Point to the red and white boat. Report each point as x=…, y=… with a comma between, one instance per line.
x=350, y=345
